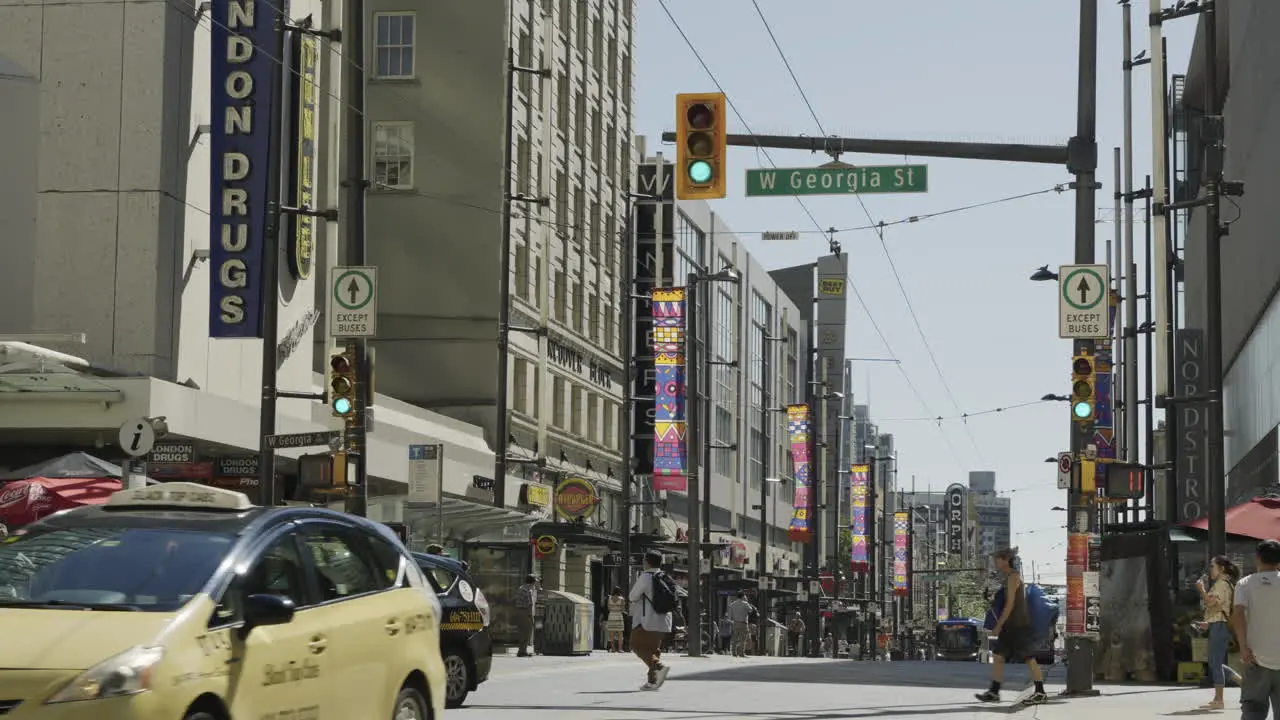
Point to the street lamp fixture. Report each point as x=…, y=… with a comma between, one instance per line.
x=1055, y=398
x=1044, y=274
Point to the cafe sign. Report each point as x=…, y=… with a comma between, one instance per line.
x=576, y=498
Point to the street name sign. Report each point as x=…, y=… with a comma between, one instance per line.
x=301, y=440
x=787, y=235
x=867, y=180
x=353, y=306
x=1082, y=306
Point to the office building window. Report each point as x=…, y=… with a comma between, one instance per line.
x=690, y=247
x=562, y=103
x=580, y=214
x=611, y=147
x=524, y=56
x=557, y=401
x=393, y=155
x=580, y=120
x=583, y=18
x=577, y=306
x=524, y=160
x=593, y=417
x=521, y=263
x=610, y=418
x=610, y=327
x=593, y=229
x=393, y=45
x=560, y=289
x=520, y=385
x=576, y=409
x=793, y=366
x=596, y=145
x=562, y=202
x=593, y=318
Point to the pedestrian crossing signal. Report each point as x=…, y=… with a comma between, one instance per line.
x=1083, y=400
x=700, y=146
x=1125, y=481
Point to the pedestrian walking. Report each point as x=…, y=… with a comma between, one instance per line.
x=739, y=613
x=1256, y=621
x=616, y=624
x=653, y=600
x=795, y=631
x=526, y=603
x=724, y=629
x=1217, y=595
x=1013, y=631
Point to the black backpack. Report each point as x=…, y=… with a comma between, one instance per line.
x=665, y=599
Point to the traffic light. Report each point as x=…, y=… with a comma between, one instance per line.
x=342, y=383
x=700, y=146
x=1126, y=481
x=1082, y=384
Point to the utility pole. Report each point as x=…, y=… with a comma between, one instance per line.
x=1083, y=163
x=270, y=272
x=1212, y=129
x=697, y=428
x=354, y=187
x=1130, y=293
x=509, y=195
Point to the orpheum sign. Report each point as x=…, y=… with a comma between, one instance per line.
x=954, y=513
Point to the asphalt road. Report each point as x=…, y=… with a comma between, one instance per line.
x=606, y=687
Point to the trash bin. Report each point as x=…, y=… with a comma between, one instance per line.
x=568, y=624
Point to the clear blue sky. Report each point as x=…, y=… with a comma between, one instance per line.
x=984, y=71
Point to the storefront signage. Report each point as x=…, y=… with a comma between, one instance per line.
x=1189, y=449
x=245, y=46
x=301, y=251
x=955, y=518
x=536, y=495
x=238, y=465
x=576, y=498
x=578, y=362
x=546, y=544
x=171, y=451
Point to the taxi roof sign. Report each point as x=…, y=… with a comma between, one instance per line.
x=181, y=495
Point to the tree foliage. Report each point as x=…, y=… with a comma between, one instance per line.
x=964, y=590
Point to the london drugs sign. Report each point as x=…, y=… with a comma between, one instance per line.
x=244, y=49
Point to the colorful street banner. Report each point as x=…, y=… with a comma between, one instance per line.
x=858, y=490
x=670, y=466
x=798, y=430
x=901, y=549
x=1077, y=565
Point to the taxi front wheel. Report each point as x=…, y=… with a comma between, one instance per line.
x=410, y=705
x=457, y=680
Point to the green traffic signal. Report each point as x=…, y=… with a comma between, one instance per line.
x=342, y=406
x=1082, y=410
x=700, y=171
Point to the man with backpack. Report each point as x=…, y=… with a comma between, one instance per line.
x=653, y=600
x=1016, y=630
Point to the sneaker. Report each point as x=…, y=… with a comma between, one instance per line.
x=648, y=686
x=988, y=696
x=1036, y=698
x=662, y=674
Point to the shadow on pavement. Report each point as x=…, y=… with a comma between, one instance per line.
x=837, y=672
x=849, y=713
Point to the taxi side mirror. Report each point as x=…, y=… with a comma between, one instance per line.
x=266, y=609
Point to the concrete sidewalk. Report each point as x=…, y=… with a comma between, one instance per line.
x=1121, y=702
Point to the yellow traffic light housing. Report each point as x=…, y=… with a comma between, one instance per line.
x=700, y=145
x=342, y=383
x=1083, y=399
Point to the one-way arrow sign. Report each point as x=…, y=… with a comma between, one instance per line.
x=353, y=302
x=1082, y=307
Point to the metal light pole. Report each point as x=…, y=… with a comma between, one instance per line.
x=697, y=426
x=1214, y=461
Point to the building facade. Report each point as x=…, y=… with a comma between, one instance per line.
x=755, y=347
x=1250, y=317
x=993, y=513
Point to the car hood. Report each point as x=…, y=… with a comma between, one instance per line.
x=68, y=639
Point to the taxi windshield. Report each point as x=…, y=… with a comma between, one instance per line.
x=111, y=568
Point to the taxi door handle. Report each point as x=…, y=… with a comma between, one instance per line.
x=393, y=626
x=318, y=644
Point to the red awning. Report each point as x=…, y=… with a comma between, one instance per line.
x=1258, y=519
x=25, y=501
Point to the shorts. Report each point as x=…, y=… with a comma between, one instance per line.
x=1014, y=645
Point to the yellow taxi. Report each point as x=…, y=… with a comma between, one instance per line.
x=185, y=602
